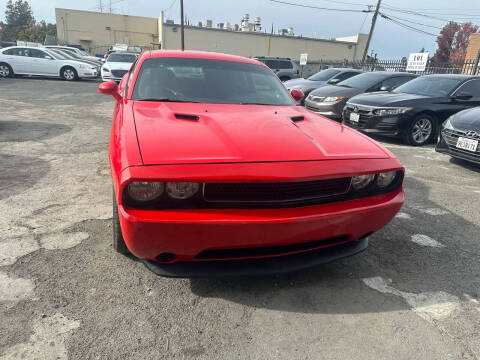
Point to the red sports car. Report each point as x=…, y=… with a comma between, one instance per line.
x=216, y=171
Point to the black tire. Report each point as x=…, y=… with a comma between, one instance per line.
x=69, y=73
x=118, y=242
x=421, y=131
x=284, y=78
x=6, y=70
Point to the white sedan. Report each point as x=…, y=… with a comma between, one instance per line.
x=117, y=65
x=27, y=60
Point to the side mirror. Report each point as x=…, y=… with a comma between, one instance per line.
x=463, y=96
x=334, y=81
x=110, y=88
x=297, y=94
x=385, y=88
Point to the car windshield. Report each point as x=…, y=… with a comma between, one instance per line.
x=57, y=54
x=68, y=54
x=362, y=81
x=84, y=53
x=324, y=75
x=208, y=81
x=128, y=58
x=429, y=85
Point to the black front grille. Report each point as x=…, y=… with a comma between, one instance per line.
x=451, y=138
x=119, y=73
x=269, y=250
x=283, y=192
x=362, y=122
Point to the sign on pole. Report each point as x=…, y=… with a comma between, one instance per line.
x=417, y=61
x=303, y=59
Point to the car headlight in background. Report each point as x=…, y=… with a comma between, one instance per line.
x=385, y=179
x=448, y=124
x=333, y=99
x=362, y=181
x=391, y=111
x=106, y=69
x=145, y=191
x=182, y=190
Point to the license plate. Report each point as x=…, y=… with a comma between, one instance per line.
x=467, y=144
x=354, y=117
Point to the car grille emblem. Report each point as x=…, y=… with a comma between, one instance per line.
x=355, y=109
x=473, y=134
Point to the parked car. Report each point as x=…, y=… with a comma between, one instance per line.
x=212, y=161
x=325, y=77
x=82, y=53
x=117, y=65
x=25, y=60
x=330, y=100
x=460, y=135
x=415, y=110
x=72, y=56
x=285, y=68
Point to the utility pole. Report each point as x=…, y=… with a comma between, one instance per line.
x=182, y=31
x=374, y=20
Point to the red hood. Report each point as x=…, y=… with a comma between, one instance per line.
x=243, y=133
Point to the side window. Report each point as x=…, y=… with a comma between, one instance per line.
x=130, y=76
x=272, y=64
x=8, y=52
x=18, y=52
x=393, y=82
x=472, y=87
x=39, y=54
x=345, y=75
x=284, y=64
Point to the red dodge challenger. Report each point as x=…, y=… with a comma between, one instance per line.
x=217, y=172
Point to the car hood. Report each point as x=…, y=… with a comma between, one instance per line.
x=243, y=133
x=303, y=84
x=333, y=90
x=383, y=98
x=467, y=119
x=118, y=65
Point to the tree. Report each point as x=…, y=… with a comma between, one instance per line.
x=18, y=18
x=453, y=42
x=37, y=32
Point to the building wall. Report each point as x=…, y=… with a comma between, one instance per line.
x=261, y=44
x=90, y=29
x=473, y=47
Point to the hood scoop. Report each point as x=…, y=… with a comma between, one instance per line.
x=297, y=118
x=187, y=117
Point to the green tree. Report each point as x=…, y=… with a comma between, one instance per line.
x=37, y=32
x=18, y=18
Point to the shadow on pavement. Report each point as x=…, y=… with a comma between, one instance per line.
x=18, y=131
x=337, y=287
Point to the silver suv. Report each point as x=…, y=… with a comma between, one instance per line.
x=284, y=68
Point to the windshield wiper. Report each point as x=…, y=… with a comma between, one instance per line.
x=167, y=100
x=344, y=86
x=253, y=103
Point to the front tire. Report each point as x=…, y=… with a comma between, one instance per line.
x=118, y=242
x=5, y=70
x=69, y=74
x=421, y=131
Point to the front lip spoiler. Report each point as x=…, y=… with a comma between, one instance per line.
x=256, y=267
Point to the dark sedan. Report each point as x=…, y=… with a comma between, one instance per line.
x=460, y=135
x=325, y=77
x=415, y=110
x=330, y=100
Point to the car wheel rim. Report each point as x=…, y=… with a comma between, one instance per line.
x=4, y=70
x=69, y=74
x=422, y=130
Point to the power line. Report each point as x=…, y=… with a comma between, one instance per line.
x=416, y=13
x=407, y=26
x=318, y=7
x=168, y=8
x=348, y=3
x=413, y=22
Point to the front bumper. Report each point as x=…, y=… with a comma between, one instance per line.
x=87, y=73
x=332, y=111
x=188, y=233
x=447, y=145
x=394, y=125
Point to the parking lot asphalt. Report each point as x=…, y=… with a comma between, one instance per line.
x=65, y=294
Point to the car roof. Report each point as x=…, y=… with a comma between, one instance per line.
x=198, y=55
x=453, y=76
x=124, y=52
x=344, y=69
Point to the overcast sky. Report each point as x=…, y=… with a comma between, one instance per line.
x=390, y=40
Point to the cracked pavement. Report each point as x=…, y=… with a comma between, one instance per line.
x=64, y=293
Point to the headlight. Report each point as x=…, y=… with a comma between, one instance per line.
x=106, y=69
x=182, y=190
x=386, y=178
x=448, y=124
x=145, y=191
x=391, y=111
x=361, y=181
x=333, y=99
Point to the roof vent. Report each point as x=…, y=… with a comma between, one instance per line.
x=297, y=118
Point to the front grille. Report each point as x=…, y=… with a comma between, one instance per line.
x=451, y=138
x=311, y=108
x=283, y=192
x=269, y=250
x=119, y=73
x=362, y=122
